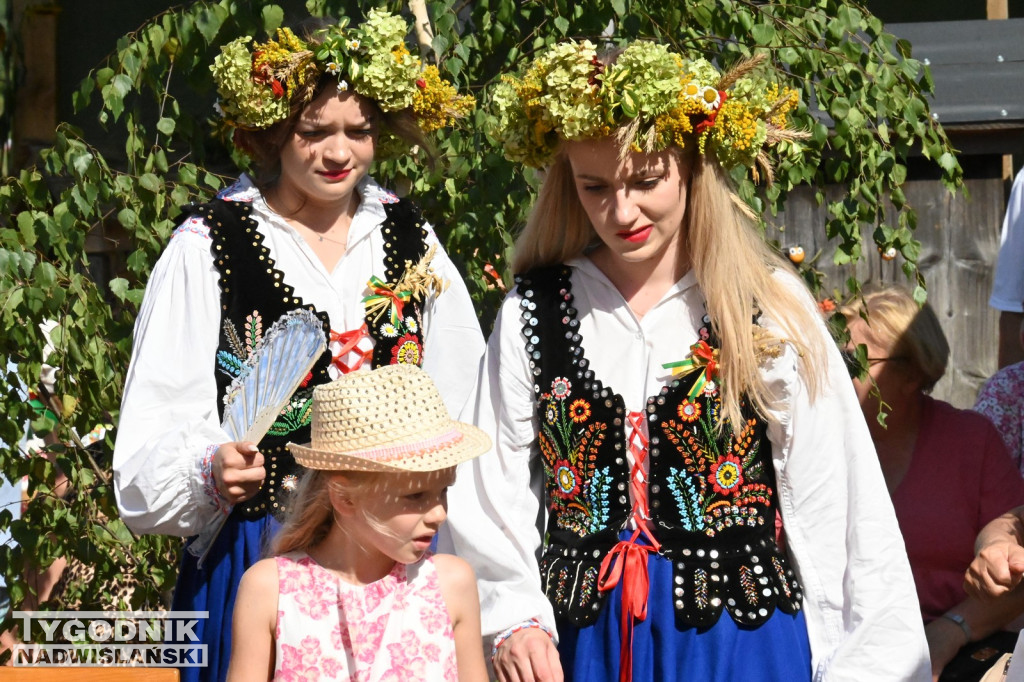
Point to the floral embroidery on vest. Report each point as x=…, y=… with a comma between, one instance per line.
x=569, y=442
x=715, y=487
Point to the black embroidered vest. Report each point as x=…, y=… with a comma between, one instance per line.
x=254, y=294
x=711, y=495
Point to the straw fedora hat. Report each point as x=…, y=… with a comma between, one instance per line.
x=388, y=419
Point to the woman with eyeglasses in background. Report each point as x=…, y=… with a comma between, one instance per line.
x=947, y=470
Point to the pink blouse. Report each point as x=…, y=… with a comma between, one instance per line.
x=395, y=629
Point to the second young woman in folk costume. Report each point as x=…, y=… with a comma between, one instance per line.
x=661, y=387
x=310, y=230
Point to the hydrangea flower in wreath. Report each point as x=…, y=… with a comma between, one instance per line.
x=651, y=97
x=258, y=82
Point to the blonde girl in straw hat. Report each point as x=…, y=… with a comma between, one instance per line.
x=661, y=388
x=352, y=591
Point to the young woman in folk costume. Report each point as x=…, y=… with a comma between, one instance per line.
x=667, y=378
x=311, y=229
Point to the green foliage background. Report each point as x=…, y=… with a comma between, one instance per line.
x=835, y=51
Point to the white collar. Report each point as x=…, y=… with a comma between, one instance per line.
x=586, y=267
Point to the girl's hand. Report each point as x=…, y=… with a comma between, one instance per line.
x=238, y=471
x=528, y=656
x=996, y=570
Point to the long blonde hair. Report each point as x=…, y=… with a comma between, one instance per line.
x=312, y=513
x=733, y=265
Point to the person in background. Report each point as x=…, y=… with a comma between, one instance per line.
x=1001, y=399
x=947, y=470
x=998, y=565
x=310, y=230
x=1008, y=284
x=659, y=383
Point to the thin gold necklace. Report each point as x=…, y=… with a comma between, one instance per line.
x=322, y=238
x=293, y=222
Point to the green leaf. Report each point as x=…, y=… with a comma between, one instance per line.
x=27, y=226
x=948, y=162
x=763, y=34
x=628, y=104
x=151, y=182
x=840, y=108
x=119, y=287
x=273, y=17
x=439, y=44
x=165, y=125
x=209, y=21
x=562, y=25
x=128, y=218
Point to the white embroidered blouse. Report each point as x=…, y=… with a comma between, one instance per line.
x=862, y=614
x=169, y=409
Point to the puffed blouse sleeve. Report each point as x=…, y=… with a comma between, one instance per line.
x=495, y=505
x=863, y=618
x=452, y=342
x=169, y=425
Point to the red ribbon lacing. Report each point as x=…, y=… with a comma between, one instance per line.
x=628, y=559
x=350, y=343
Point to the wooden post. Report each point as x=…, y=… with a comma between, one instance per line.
x=997, y=9
x=35, y=103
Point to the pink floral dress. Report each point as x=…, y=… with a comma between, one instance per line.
x=396, y=629
x=1002, y=400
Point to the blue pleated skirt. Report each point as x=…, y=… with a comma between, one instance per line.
x=777, y=651
x=241, y=543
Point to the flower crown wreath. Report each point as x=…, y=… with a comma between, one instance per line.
x=651, y=98
x=257, y=82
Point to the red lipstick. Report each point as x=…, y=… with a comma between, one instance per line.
x=637, y=236
x=335, y=174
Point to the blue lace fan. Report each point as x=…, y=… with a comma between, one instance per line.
x=263, y=388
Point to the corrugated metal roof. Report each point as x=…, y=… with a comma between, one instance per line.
x=977, y=66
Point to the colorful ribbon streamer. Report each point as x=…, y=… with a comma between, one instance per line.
x=702, y=358
x=383, y=297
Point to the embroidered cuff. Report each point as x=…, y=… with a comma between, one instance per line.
x=209, y=483
x=532, y=623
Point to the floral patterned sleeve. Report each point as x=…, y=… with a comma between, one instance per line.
x=1002, y=400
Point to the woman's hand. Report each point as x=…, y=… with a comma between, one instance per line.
x=945, y=639
x=238, y=471
x=528, y=656
x=996, y=570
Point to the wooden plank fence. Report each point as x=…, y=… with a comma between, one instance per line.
x=960, y=242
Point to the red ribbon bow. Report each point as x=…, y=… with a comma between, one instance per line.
x=709, y=122
x=703, y=351
x=349, y=341
x=628, y=562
